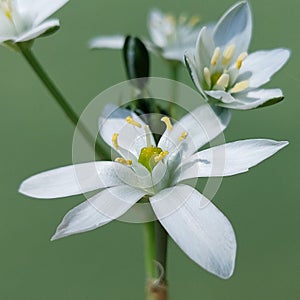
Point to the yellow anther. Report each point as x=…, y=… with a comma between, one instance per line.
x=161, y=156
x=114, y=140
x=8, y=14
x=170, y=18
x=240, y=86
x=123, y=161
x=240, y=59
x=223, y=81
x=215, y=56
x=182, y=18
x=194, y=20
x=228, y=55
x=183, y=136
x=207, y=76
x=168, y=123
x=130, y=121
x=6, y=8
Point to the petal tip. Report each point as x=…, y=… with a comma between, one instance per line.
x=55, y=237
x=284, y=144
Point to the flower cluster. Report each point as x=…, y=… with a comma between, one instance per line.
x=153, y=168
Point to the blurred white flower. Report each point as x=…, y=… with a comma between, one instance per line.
x=170, y=36
x=145, y=169
x=25, y=20
x=223, y=71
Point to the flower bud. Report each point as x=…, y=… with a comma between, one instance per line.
x=137, y=62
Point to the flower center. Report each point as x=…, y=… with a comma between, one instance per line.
x=173, y=26
x=5, y=6
x=223, y=71
x=150, y=155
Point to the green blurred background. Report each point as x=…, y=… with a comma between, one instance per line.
x=263, y=204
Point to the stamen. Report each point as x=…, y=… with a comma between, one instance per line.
x=6, y=8
x=114, y=140
x=240, y=59
x=223, y=81
x=183, y=136
x=215, y=57
x=171, y=19
x=161, y=156
x=182, y=18
x=130, y=121
x=240, y=86
x=123, y=161
x=168, y=123
x=194, y=20
x=148, y=135
x=228, y=55
x=207, y=76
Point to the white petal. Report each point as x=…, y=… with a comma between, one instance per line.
x=235, y=27
x=7, y=31
x=194, y=71
x=228, y=159
x=204, y=49
x=255, y=98
x=260, y=66
x=202, y=125
x=98, y=210
x=107, y=42
x=186, y=38
x=158, y=26
x=38, y=30
x=198, y=228
x=40, y=10
x=131, y=138
x=174, y=53
x=76, y=179
x=221, y=95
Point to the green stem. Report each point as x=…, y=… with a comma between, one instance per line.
x=149, y=241
x=58, y=97
x=161, y=250
x=156, y=252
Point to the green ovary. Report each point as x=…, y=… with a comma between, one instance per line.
x=215, y=77
x=147, y=157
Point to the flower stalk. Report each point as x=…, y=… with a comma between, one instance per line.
x=156, y=239
x=58, y=97
x=149, y=241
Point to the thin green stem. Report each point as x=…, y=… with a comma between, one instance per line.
x=155, y=253
x=149, y=246
x=161, y=251
x=58, y=97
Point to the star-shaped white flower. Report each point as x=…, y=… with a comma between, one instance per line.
x=157, y=172
x=170, y=37
x=25, y=20
x=223, y=71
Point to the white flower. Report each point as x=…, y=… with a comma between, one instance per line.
x=170, y=37
x=144, y=169
x=223, y=71
x=25, y=20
